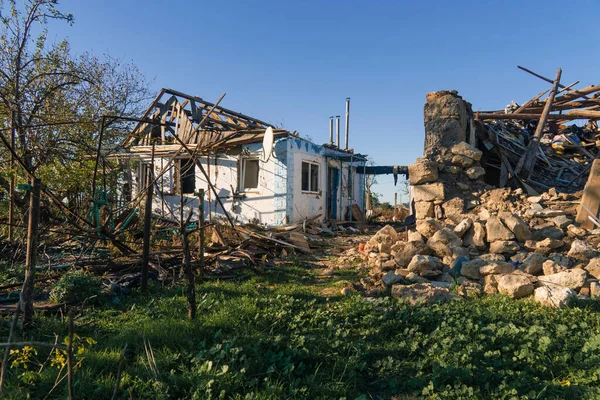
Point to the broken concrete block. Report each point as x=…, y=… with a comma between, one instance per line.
x=427, y=227
x=593, y=267
x=533, y=263
x=475, y=172
x=463, y=226
x=571, y=278
x=496, y=268
x=390, y=278
x=470, y=269
x=496, y=230
x=407, y=250
x=562, y=221
x=516, y=286
x=425, y=265
x=554, y=296
x=453, y=207
x=466, y=150
x=424, y=209
x=516, y=225
x=550, y=267
x=582, y=250
x=423, y=171
x=443, y=242
x=422, y=293
x=504, y=247
x=429, y=192
x=462, y=161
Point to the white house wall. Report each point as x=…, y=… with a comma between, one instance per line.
x=308, y=204
x=254, y=206
x=279, y=198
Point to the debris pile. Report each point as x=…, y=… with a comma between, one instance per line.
x=512, y=243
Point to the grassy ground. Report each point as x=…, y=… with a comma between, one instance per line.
x=277, y=335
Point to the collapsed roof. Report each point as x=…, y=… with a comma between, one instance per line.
x=194, y=121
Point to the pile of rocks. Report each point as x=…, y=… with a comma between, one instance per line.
x=442, y=188
x=511, y=243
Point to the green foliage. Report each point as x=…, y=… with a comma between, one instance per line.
x=275, y=336
x=75, y=287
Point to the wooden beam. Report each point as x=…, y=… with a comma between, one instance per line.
x=542, y=77
x=590, y=202
x=527, y=162
x=530, y=102
x=575, y=114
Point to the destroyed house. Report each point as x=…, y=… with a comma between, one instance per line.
x=260, y=173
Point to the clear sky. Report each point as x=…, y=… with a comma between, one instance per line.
x=293, y=63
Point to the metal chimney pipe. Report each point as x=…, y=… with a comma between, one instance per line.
x=337, y=131
x=331, y=130
x=347, y=120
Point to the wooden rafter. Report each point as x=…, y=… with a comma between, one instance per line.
x=183, y=113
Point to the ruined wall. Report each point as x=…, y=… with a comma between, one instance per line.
x=449, y=175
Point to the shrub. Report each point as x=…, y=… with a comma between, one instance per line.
x=75, y=286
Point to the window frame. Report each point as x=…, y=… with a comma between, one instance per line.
x=310, y=190
x=242, y=176
x=185, y=173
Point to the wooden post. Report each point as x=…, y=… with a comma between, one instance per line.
x=11, y=190
x=32, y=240
x=187, y=262
x=11, y=338
x=527, y=162
x=368, y=202
x=395, y=206
x=201, y=227
x=147, y=222
x=591, y=198
x=70, y=380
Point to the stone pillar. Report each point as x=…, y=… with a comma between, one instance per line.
x=447, y=122
x=446, y=177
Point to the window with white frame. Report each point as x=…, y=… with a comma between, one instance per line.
x=310, y=177
x=249, y=174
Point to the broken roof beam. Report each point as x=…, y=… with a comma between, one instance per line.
x=560, y=85
x=571, y=115
x=221, y=110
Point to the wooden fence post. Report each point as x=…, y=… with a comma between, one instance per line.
x=32, y=241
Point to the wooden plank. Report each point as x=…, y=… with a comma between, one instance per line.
x=298, y=239
x=527, y=162
x=357, y=214
x=591, y=197
x=530, y=102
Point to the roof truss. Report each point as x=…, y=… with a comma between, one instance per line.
x=179, y=114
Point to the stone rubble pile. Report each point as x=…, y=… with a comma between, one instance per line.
x=510, y=243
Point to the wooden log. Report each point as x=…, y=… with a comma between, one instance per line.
x=527, y=162
x=32, y=242
x=530, y=102
x=147, y=224
x=575, y=94
x=575, y=114
x=70, y=377
x=542, y=77
x=590, y=198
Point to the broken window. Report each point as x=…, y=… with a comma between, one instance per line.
x=188, y=176
x=310, y=177
x=249, y=174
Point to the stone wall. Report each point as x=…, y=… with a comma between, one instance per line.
x=448, y=179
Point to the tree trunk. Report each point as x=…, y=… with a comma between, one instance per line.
x=32, y=240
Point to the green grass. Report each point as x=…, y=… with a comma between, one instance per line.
x=276, y=336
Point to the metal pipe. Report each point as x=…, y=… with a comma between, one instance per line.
x=347, y=121
x=337, y=131
x=331, y=130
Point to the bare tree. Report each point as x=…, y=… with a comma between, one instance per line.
x=51, y=100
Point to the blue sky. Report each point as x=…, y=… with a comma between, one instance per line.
x=294, y=63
